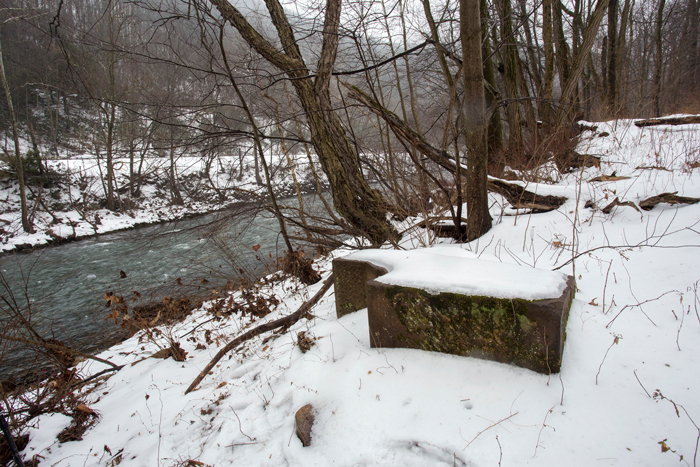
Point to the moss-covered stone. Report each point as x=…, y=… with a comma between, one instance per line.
x=466, y=325
x=526, y=333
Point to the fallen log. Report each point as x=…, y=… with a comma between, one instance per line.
x=263, y=328
x=520, y=198
x=670, y=198
x=690, y=119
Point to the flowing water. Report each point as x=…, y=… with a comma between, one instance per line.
x=66, y=284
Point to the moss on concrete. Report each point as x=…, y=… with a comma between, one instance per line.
x=499, y=329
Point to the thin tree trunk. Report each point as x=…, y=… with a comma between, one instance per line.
x=611, y=69
x=659, y=58
x=510, y=78
x=495, y=130
x=580, y=60
x=26, y=223
x=548, y=42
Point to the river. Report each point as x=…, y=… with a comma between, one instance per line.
x=66, y=284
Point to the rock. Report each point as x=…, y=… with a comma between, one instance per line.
x=304, y=420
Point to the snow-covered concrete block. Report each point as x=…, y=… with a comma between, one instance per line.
x=446, y=300
x=350, y=277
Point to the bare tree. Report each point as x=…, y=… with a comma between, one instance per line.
x=362, y=206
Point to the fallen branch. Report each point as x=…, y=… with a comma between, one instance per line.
x=489, y=427
x=670, y=198
x=520, y=198
x=60, y=348
x=263, y=328
x=691, y=119
x=608, y=209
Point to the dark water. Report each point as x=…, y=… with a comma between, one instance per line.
x=66, y=284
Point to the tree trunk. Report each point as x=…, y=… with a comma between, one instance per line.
x=474, y=116
x=571, y=84
x=510, y=78
x=26, y=223
x=109, y=143
x=659, y=58
x=548, y=85
x=363, y=207
x=495, y=130
x=612, y=57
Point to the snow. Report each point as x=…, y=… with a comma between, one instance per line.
x=454, y=270
x=627, y=394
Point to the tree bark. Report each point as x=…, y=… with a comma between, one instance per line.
x=26, y=223
x=659, y=59
x=510, y=78
x=612, y=56
x=474, y=117
x=545, y=107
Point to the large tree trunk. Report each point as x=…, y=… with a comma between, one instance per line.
x=478, y=217
x=363, y=207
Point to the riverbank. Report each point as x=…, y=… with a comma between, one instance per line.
x=69, y=205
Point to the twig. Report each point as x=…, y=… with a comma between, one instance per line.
x=285, y=321
x=640, y=383
x=638, y=304
x=500, y=451
x=95, y=376
x=658, y=395
x=615, y=341
x=606, y=284
x=240, y=427
x=544, y=424
x=489, y=427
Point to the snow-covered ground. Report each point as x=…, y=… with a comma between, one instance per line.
x=76, y=204
x=628, y=393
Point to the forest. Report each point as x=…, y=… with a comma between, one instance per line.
x=399, y=94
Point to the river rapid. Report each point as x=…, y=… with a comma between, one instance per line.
x=65, y=285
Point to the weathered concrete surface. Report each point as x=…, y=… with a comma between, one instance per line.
x=350, y=279
x=527, y=333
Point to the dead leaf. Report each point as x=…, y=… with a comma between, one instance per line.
x=85, y=409
x=592, y=302
x=122, y=275
x=256, y=247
